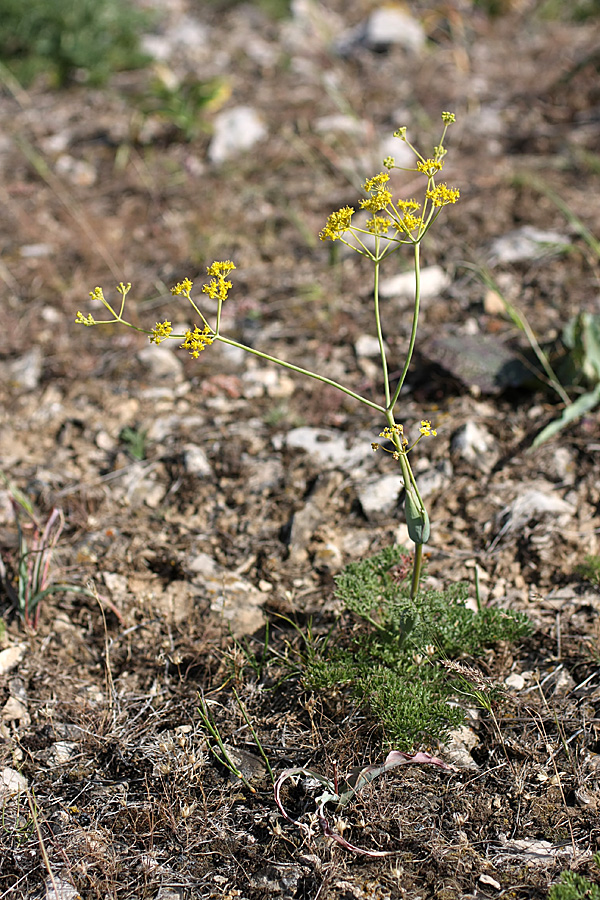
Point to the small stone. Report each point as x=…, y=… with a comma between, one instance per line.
x=328, y=447
x=25, y=372
x=62, y=752
x=35, y=251
x=78, y=171
x=11, y=782
x=458, y=746
x=434, y=281
x=11, y=657
x=367, y=345
x=59, y=889
x=378, y=496
x=196, y=462
x=515, y=682
x=475, y=444
x=490, y=882
x=532, y=504
x=235, y=131
x=161, y=362
x=434, y=478
x=527, y=243
x=15, y=711
x=393, y=25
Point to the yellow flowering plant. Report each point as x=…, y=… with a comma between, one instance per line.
x=392, y=224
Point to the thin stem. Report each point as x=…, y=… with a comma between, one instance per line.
x=413, y=334
x=384, y=365
x=416, y=575
x=300, y=371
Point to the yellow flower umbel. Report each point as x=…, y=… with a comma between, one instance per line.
x=196, y=340
x=160, y=332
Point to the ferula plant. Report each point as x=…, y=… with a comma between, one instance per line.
x=391, y=225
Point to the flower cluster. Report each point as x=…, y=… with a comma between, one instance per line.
x=426, y=429
x=182, y=287
x=196, y=340
x=396, y=216
x=84, y=320
x=337, y=224
x=395, y=433
x=442, y=195
x=160, y=332
x=218, y=287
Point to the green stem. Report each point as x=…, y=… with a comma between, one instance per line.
x=300, y=371
x=413, y=334
x=416, y=575
x=384, y=365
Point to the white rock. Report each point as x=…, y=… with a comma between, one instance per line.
x=11, y=657
x=434, y=478
x=534, y=503
x=269, y=381
x=235, y=130
x=196, y=462
x=59, y=889
x=379, y=496
x=491, y=882
x=328, y=447
x=393, y=25
x=367, y=345
x=526, y=243
x=434, y=280
x=475, y=444
x=458, y=746
x=78, y=171
x=15, y=711
x=62, y=752
x=25, y=372
x=515, y=681
x=162, y=362
x=11, y=782
x=35, y=251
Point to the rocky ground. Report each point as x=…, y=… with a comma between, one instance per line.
x=205, y=497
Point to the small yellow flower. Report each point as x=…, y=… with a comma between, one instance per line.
x=442, y=195
x=97, y=294
x=448, y=118
x=401, y=133
x=411, y=222
x=221, y=268
x=160, y=332
x=84, y=320
x=378, y=225
x=377, y=201
x=337, y=223
x=182, y=287
x=196, y=340
x=408, y=205
x=426, y=429
x=389, y=162
x=376, y=183
x=429, y=166
x=374, y=446
x=124, y=288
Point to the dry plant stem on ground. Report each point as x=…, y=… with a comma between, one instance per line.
x=391, y=225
